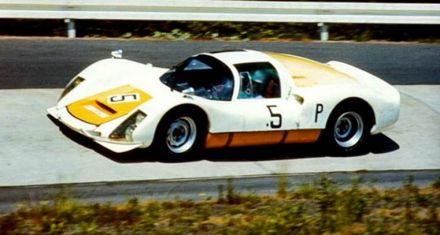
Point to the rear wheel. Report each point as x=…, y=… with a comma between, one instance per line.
x=179, y=134
x=347, y=129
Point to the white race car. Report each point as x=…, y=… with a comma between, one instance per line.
x=226, y=99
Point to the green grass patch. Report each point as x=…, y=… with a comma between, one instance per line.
x=318, y=208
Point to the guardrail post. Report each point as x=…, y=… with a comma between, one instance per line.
x=323, y=30
x=71, y=32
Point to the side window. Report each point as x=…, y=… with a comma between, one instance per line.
x=258, y=80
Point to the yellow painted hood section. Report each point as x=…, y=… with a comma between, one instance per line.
x=307, y=73
x=108, y=105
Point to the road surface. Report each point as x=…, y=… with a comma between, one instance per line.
x=34, y=151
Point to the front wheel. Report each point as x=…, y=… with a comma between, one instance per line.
x=346, y=130
x=179, y=135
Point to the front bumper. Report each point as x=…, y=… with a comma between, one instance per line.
x=90, y=131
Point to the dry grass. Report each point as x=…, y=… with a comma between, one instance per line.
x=321, y=208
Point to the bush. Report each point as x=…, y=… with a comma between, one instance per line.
x=172, y=30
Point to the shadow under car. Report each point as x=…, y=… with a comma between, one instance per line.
x=376, y=144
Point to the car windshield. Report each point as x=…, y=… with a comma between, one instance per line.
x=202, y=76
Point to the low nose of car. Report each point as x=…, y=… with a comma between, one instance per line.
x=108, y=105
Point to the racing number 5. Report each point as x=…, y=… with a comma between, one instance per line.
x=123, y=98
x=276, y=116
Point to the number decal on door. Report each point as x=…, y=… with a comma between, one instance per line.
x=277, y=118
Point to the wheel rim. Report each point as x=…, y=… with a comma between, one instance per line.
x=348, y=129
x=181, y=135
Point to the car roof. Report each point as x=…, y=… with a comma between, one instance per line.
x=233, y=57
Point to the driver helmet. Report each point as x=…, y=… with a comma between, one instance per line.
x=259, y=77
x=259, y=81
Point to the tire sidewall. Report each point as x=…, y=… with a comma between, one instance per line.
x=329, y=137
x=160, y=141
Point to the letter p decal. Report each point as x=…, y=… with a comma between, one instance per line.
x=319, y=109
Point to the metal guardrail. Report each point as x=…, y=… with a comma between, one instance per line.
x=222, y=10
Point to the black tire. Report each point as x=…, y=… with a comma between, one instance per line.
x=180, y=134
x=347, y=129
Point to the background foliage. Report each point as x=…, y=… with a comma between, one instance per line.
x=227, y=30
x=220, y=30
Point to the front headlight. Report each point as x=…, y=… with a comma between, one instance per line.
x=74, y=83
x=126, y=129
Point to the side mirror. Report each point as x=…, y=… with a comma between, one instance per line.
x=117, y=54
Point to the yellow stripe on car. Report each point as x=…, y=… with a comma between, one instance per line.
x=306, y=73
x=239, y=139
x=108, y=105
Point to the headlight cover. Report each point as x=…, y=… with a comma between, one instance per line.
x=74, y=83
x=125, y=131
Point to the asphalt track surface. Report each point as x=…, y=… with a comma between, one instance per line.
x=48, y=63
x=34, y=151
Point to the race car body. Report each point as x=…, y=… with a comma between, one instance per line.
x=226, y=99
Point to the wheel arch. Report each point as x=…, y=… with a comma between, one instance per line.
x=360, y=103
x=353, y=143
x=196, y=110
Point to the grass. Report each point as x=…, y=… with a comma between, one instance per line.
x=319, y=208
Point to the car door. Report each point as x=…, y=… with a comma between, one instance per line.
x=268, y=114
x=260, y=102
x=261, y=112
